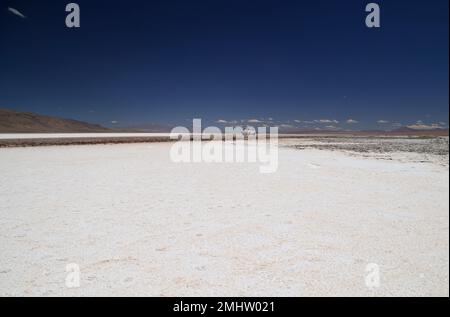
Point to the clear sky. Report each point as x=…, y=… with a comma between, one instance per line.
x=298, y=62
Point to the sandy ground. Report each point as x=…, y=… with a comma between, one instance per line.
x=138, y=224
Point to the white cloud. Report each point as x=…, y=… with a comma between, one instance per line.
x=326, y=121
x=424, y=126
x=351, y=121
x=221, y=121
x=382, y=122
x=16, y=12
x=332, y=127
x=114, y=122
x=253, y=121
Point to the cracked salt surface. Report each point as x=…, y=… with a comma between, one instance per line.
x=138, y=224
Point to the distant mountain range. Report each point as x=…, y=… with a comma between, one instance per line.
x=27, y=122
x=404, y=131
x=146, y=128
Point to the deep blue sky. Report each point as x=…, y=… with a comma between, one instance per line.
x=166, y=61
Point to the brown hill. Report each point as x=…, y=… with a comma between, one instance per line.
x=26, y=122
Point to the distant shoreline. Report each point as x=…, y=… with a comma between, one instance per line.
x=34, y=140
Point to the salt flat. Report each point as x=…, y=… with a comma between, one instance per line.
x=138, y=224
x=9, y=136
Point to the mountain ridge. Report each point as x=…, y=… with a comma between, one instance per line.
x=28, y=122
